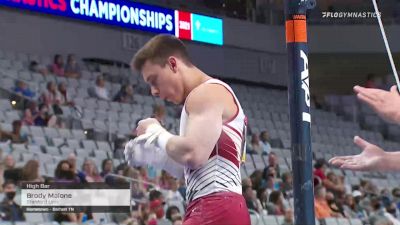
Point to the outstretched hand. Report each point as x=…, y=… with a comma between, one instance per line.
x=385, y=103
x=371, y=158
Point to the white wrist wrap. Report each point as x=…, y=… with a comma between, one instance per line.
x=150, y=149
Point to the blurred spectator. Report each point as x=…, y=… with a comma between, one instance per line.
x=72, y=68
x=262, y=196
x=172, y=211
x=100, y=90
x=44, y=119
x=72, y=160
x=156, y=207
x=377, y=210
x=75, y=218
x=266, y=146
x=15, y=136
x=107, y=168
x=286, y=186
x=33, y=107
x=28, y=119
x=177, y=220
x=37, y=68
x=334, y=184
x=163, y=180
x=30, y=172
x=138, y=190
x=52, y=98
x=269, y=180
x=392, y=209
x=385, y=197
x=334, y=203
x=319, y=170
x=43, y=116
x=9, y=162
x=65, y=99
x=64, y=173
x=273, y=162
x=255, y=145
x=396, y=196
x=288, y=218
x=251, y=199
x=359, y=208
x=22, y=88
x=368, y=187
x=247, y=182
x=182, y=188
x=256, y=179
x=322, y=209
x=90, y=171
x=155, y=194
x=275, y=205
x=349, y=207
x=125, y=94
x=11, y=172
x=173, y=196
x=57, y=67
x=10, y=211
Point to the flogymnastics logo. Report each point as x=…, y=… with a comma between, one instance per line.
x=346, y=15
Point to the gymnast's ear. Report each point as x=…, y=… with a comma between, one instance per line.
x=172, y=63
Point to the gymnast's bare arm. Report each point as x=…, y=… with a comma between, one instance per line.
x=371, y=158
x=207, y=106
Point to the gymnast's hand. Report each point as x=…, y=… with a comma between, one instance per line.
x=144, y=124
x=385, y=103
x=372, y=157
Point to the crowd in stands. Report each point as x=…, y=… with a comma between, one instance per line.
x=270, y=192
x=158, y=197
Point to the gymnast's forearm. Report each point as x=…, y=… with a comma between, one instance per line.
x=182, y=150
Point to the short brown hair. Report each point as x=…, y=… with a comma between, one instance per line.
x=158, y=49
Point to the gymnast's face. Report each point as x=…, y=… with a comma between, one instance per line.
x=165, y=81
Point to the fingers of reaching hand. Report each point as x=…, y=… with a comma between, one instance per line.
x=361, y=142
x=372, y=102
x=394, y=89
x=358, y=89
x=348, y=162
x=354, y=165
x=340, y=160
x=371, y=93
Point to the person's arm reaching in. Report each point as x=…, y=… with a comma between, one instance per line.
x=385, y=103
x=372, y=157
